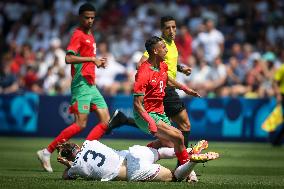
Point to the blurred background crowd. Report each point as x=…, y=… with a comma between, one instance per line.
x=233, y=46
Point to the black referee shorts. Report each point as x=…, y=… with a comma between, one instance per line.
x=172, y=102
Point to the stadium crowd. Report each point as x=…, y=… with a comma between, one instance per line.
x=233, y=47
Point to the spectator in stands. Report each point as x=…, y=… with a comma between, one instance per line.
x=199, y=75
x=217, y=77
x=234, y=85
x=38, y=23
x=106, y=78
x=183, y=42
x=211, y=40
x=8, y=80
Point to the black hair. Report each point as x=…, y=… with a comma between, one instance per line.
x=86, y=7
x=67, y=150
x=166, y=19
x=149, y=45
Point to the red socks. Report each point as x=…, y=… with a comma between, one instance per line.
x=182, y=157
x=97, y=132
x=65, y=135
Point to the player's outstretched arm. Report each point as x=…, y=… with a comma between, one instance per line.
x=182, y=87
x=72, y=59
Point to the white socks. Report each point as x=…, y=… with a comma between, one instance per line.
x=184, y=170
x=169, y=153
x=166, y=153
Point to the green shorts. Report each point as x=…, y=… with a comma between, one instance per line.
x=86, y=98
x=143, y=125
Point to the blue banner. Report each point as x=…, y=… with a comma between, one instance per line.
x=213, y=119
x=19, y=114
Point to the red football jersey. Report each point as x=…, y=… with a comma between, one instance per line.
x=151, y=83
x=82, y=44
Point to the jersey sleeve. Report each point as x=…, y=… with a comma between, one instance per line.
x=141, y=80
x=74, y=44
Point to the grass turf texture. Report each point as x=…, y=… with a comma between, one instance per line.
x=241, y=165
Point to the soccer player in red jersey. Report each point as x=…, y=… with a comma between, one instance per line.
x=81, y=54
x=149, y=91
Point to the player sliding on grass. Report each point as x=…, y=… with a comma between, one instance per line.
x=149, y=91
x=97, y=161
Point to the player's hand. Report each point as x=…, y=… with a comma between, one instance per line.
x=191, y=92
x=100, y=63
x=186, y=70
x=103, y=62
x=63, y=161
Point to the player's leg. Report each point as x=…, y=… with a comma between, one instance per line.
x=183, y=171
x=175, y=109
x=169, y=153
x=160, y=143
x=99, y=106
x=183, y=124
x=141, y=165
x=119, y=119
x=172, y=134
x=165, y=133
x=100, y=129
x=80, y=107
x=73, y=129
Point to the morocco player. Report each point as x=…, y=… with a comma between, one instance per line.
x=149, y=91
x=81, y=54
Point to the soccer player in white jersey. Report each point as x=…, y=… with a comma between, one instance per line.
x=97, y=161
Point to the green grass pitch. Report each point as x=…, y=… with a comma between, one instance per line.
x=241, y=165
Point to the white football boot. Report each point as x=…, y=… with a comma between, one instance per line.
x=44, y=158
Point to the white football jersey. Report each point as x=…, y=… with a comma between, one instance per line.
x=97, y=161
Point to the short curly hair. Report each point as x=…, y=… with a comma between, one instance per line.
x=86, y=7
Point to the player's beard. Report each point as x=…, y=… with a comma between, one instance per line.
x=90, y=25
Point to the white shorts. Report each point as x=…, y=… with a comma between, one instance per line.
x=140, y=163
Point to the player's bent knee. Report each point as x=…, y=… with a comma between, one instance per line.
x=82, y=125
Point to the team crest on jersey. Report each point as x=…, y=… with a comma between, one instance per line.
x=85, y=107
